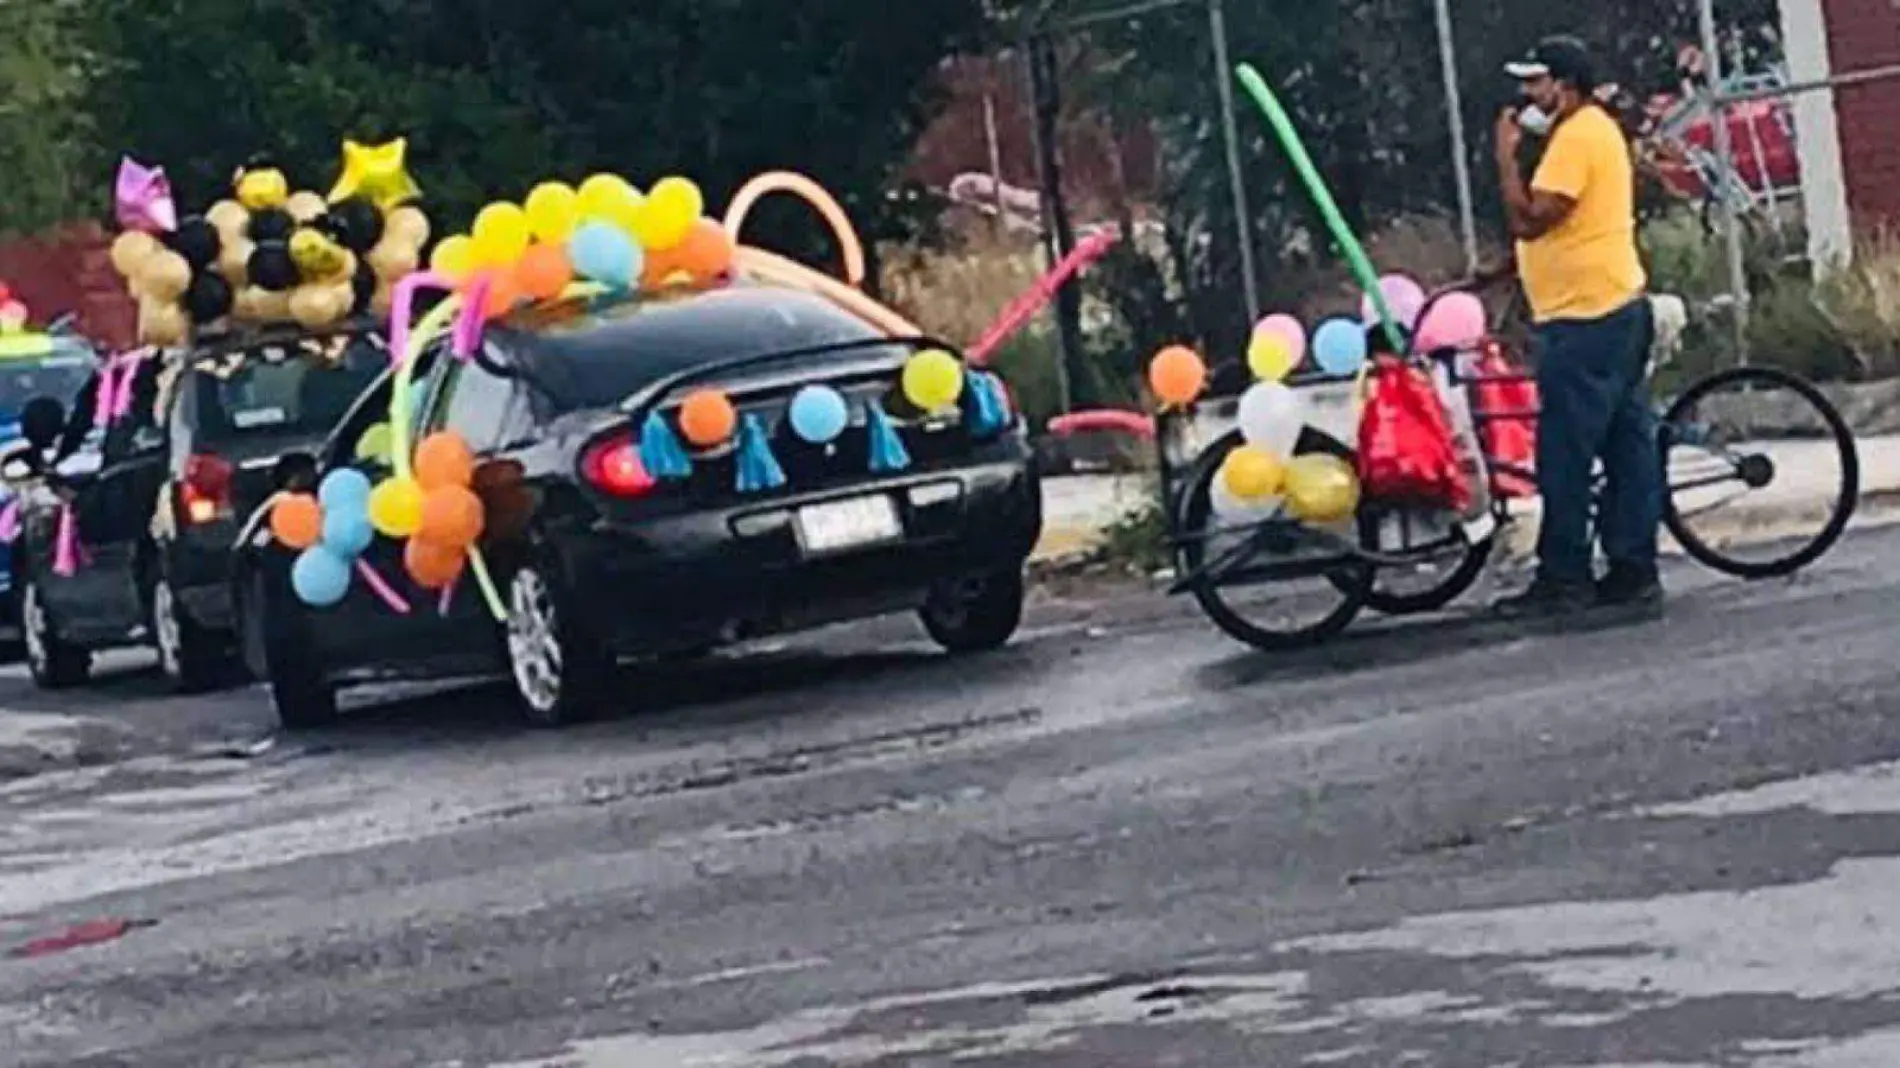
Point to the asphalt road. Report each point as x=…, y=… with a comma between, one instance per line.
x=1122, y=842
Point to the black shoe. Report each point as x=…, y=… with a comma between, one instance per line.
x=1545, y=600
x=1630, y=588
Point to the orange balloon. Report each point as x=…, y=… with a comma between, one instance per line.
x=707, y=252
x=1177, y=375
x=707, y=418
x=543, y=271
x=504, y=292
x=661, y=267
x=432, y=566
x=444, y=459
x=451, y=517
x=297, y=520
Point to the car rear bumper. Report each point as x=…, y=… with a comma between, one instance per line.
x=738, y=572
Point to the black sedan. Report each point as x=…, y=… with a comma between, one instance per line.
x=601, y=553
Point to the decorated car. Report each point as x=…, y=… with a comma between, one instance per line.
x=258, y=328
x=620, y=433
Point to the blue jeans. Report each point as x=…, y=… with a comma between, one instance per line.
x=1594, y=395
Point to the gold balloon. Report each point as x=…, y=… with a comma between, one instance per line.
x=384, y=299
x=317, y=256
x=377, y=172
x=164, y=276
x=408, y=225
x=162, y=323
x=229, y=217
x=310, y=305
x=234, y=261
x=393, y=257
x=266, y=306
x=305, y=205
x=263, y=188
x=130, y=250
x=1321, y=488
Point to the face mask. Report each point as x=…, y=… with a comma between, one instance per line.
x=1534, y=120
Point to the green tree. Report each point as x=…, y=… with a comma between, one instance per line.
x=43, y=171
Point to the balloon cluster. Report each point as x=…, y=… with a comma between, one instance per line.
x=330, y=531
x=437, y=510
x=605, y=232
x=267, y=253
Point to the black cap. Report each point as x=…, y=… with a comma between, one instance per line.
x=1563, y=58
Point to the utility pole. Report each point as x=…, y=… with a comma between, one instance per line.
x=1236, y=181
x=1460, y=161
x=1058, y=232
x=1725, y=177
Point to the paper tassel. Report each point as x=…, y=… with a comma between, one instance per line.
x=886, y=448
x=661, y=451
x=68, y=554
x=986, y=408
x=10, y=521
x=758, y=468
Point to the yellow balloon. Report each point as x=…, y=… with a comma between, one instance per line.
x=1321, y=488
x=375, y=443
x=667, y=215
x=500, y=234
x=1250, y=473
x=554, y=211
x=609, y=198
x=454, y=257
x=1269, y=357
x=933, y=380
x=395, y=507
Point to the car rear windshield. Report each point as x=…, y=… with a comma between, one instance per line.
x=59, y=375
x=294, y=389
x=598, y=359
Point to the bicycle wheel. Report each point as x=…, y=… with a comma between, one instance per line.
x=1246, y=575
x=1430, y=586
x=1769, y=440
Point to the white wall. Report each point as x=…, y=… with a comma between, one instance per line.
x=1823, y=188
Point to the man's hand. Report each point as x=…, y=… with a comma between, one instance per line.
x=1508, y=136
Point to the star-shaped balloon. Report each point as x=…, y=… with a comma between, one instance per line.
x=378, y=172
x=142, y=198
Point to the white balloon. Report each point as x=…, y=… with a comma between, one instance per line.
x=1271, y=417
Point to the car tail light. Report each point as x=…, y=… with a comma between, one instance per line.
x=205, y=492
x=613, y=466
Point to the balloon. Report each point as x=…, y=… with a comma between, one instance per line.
x=164, y=275
x=142, y=198
x=430, y=565
x=553, y=210
x=603, y=253
x=234, y=261
x=270, y=224
x=13, y=314
x=374, y=445
x=1339, y=346
x=1321, y=488
x=504, y=292
x=1404, y=296
x=1271, y=417
x=811, y=193
x=311, y=305
x=1286, y=328
x=500, y=234
x=129, y=251
x=356, y=224
x=208, y=298
x=543, y=272
x=1270, y=358
x=391, y=259
x=1455, y=321
x=161, y=323
x=229, y=217
x=196, y=240
x=667, y=214
x=378, y=172
x=408, y=225
x=443, y=459
x=296, y=520
x=451, y=516
x=1177, y=375
x=608, y=198
x=706, y=254
x=345, y=489
x=707, y=418
x=271, y=266
x=933, y=380
x=454, y=257
x=1250, y=473
x=320, y=578
x=346, y=532
x=305, y=206
x=395, y=507
x=1232, y=510
x=818, y=414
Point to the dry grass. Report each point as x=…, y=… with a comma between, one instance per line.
x=1862, y=301
x=956, y=292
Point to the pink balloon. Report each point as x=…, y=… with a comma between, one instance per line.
x=1455, y=321
x=1287, y=329
x=1403, y=295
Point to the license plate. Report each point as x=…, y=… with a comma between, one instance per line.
x=841, y=525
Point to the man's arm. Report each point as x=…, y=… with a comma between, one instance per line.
x=1534, y=212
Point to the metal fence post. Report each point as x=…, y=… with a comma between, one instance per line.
x=1725, y=168
x=1460, y=164
x=1236, y=181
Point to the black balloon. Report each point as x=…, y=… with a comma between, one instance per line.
x=355, y=223
x=362, y=287
x=196, y=240
x=208, y=298
x=271, y=267
x=271, y=224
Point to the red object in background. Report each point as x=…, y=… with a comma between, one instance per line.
x=70, y=270
x=1115, y=419
x=90, y=933
x=1406, y=453
x=1504, y=403
x=1759, y=145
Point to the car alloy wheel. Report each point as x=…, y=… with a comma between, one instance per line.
x=534, y=643
x=166, y=632
x=33, y=629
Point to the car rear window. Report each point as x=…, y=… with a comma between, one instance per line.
x=597, y=359
x=59, y=375
x=296, y=388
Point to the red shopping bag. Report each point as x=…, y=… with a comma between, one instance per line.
x=1512, y=393
x=1406, y=452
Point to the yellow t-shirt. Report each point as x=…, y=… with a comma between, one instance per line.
x=1587, y=267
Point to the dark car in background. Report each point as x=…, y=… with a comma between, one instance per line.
x=55, y=365
x=196, y=454
x=605, y=565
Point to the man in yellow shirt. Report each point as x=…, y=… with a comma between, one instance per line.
x=1575, y=226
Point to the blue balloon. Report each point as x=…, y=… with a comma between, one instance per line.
x=603, y=253
x=320, y=578
x=344, y=489
x=818, y=414
x=346, y=531
x=1339, y=346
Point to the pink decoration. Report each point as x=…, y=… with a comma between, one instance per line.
x=1403, y=295
x=114, y=401
x=68, y=555
x=468, y=322
x=1032, y=300
x=381, y=588
x=142, y=198
x=448, y=596
x=402, y=303
x=1454, y=321
x=1286, y=328
x=1133, y=423
x=10, y=521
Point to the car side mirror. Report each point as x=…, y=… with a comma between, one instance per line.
x=42, y=421
x=295, y=471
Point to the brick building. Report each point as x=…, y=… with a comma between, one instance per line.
x=1849, y=138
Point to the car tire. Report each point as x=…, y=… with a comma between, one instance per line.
x=559, y=666
x=278, y=636
x=194, y=658
x=977, y=613
x=54, y=663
